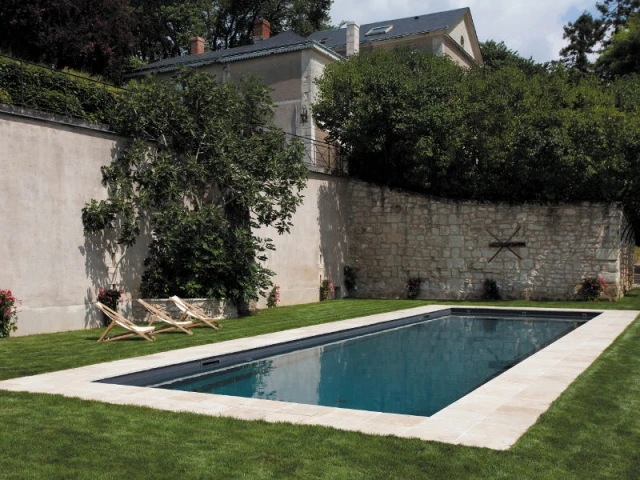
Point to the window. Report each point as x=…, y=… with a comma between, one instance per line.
x=379, y=30
x=462, y=41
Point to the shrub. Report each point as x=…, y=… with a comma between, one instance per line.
x=8, y=313
x=591, y=288
x=490, y=290
x=5, y=97
x=350, y=277
x=413, y=287
x=274, y=297
x=326, y=290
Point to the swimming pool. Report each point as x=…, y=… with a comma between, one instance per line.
x=416, y=365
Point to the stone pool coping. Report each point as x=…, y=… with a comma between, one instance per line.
x=494, y=415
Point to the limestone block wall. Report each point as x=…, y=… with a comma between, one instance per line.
x=454, y=246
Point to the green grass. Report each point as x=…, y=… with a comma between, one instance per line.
x=592, y=431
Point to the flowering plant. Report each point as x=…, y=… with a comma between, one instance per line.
x=8, y=313
x=413, y=287
x=592, y=287
x=274, y=297
x=110, y=297
x=326, y=290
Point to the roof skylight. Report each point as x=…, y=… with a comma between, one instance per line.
x=379, y=30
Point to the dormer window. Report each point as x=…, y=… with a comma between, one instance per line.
x=378, y=30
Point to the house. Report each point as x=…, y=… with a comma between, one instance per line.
x=449, y=33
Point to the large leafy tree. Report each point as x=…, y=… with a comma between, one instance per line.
x=217, y=169
x=393, y=113
x=94, y=35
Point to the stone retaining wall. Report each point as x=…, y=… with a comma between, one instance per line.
x=454, y=246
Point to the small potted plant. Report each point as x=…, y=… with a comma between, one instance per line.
x=8, y=313
x=109, y=297
x=274, y=297
x=326, y=290
x=413, y=287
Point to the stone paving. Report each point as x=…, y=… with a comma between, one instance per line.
x=494, y=416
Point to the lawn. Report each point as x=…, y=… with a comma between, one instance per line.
x=591, y=431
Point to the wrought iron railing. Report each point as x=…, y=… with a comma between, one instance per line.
x=29, y=85
x=322, y=156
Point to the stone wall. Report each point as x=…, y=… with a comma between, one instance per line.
x=454, y=246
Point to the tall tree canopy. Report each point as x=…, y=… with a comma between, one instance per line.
x=616, y=13
x=584, y=36
x=104, y=36
x=93, y=35
x=611, y=38
x=622, y=55
x=218, y=168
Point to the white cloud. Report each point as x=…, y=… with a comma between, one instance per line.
x=532, y=28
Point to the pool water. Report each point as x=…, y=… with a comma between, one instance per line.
x=416, y=370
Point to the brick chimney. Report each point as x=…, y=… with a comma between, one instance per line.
x=261, y=29
x=197, y=46
x=353, y=38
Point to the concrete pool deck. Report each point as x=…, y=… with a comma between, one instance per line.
x=494, y=415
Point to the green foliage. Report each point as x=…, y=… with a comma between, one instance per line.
x=622, y=55
x=5, y=97
x=394, y=114
x=8, y=313
x=217, y=169
x=63, y=93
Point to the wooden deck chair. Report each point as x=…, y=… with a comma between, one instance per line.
x=159, y=315
x=198, y=316
x=117, y=319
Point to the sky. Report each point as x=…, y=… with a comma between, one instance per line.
x=534, y=29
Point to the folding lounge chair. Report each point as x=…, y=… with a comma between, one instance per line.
x=159, y=315
x=117, y=319
x=198, y=316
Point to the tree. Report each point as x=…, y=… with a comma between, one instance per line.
x=92, y=35
x=165, y=27
x=584, y=35
x=394, y=114
x=218, y=168
x=616, y=13
x=622, y=55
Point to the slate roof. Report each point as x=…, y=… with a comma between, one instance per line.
x=284, y=42
x=402, y=27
